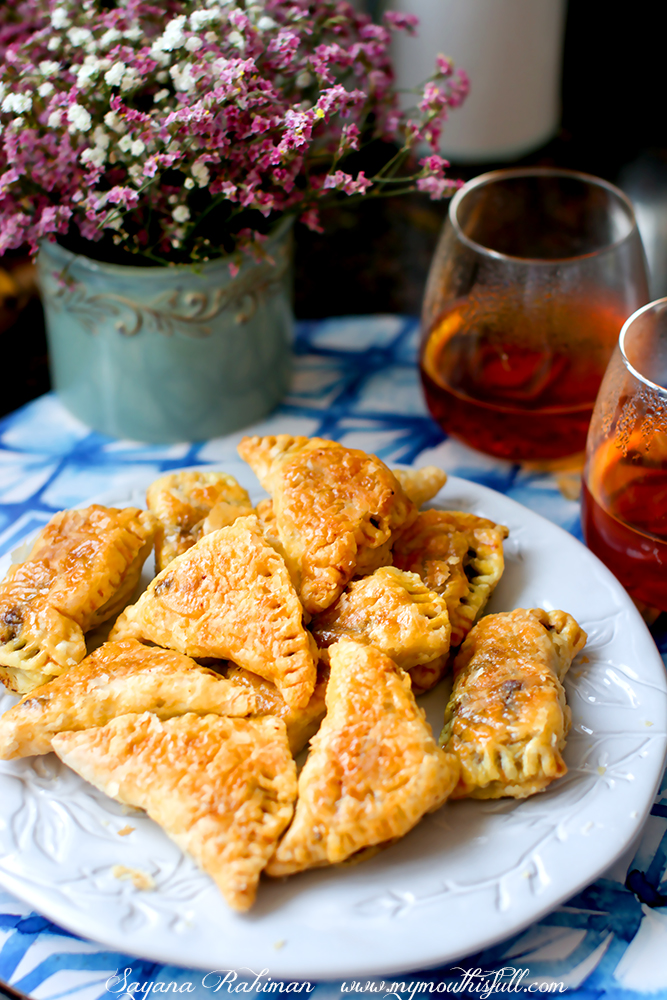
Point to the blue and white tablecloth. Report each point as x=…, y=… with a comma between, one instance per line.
x=355, y=381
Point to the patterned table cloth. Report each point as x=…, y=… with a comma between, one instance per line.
x=355, y=381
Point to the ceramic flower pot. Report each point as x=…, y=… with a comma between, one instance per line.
x=166, y=354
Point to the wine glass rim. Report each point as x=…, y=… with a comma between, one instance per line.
x=507, y=174
x=660, y=389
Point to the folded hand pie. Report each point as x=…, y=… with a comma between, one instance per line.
x=336, y=510
x=118, y=678
x=188, y=504
x=81, y=571
x=421, y=485
x=507, y=719
x=373, y=770
x=301, y=723
x=230, y=597
x=391, y=610
x=459, y=556
x=222, y=789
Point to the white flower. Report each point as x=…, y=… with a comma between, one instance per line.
x=80, y=120
x=200, y=18
x=265, y=23
x=110, y=36
x=125, y=144
x=113, y=121
x=188, y=183
x=193, y=43
x=114, y=221
x=201, y=174
x=161, y=96
x=134, y=33
x=59, y=18
x=17, y=102
x=55, y=119
x=48, y=67
x=304, y=78
x=114, y=75
x=211, y=36
x=181, y=213
x=79, y=36
x=94, y=155
x=85, y=75
x=237, y=39
x=130, y=79
x=172, y=36
x=101, y=138
x=136, y=172
x=137, y=147
x=45, y=89
x=53, y=43
x=182, y=77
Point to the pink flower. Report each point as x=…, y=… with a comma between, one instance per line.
x=402, y=22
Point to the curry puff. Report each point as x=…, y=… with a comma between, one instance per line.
x=393, y=611
x=301, y=723
x=118, y=678
x=421, y=485
x=337, y=511
x=81, y=571
x=230, y=597
x=189, y=504
x=458, y=555
x=222, y=789
x=373, y=770
x=507, y=719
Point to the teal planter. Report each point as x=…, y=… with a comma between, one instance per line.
x=166, y=354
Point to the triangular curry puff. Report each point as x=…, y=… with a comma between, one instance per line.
x=230, y=597
x=118, y=678
x=189, y=504
x=374, y=768
x=81, y=571
x=336, y=510
x=391, y=610
x=507, y=719
x=458, y=555
x=222, y=789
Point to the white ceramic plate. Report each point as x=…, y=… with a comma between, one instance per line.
x=466, y=877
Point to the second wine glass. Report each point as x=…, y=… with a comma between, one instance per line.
x=534, y=275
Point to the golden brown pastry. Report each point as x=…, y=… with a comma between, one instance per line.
x=458, y=555
x=222, y=789
x=301, y=723
x=189, y=504
x=391, y=610
x=230, y=597
x=82, y=570
x=373, y=770
x=118, y=678
x=507, y=719
x=336, y=510
x=421, y=485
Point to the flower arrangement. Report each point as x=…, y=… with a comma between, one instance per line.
x=181, y=130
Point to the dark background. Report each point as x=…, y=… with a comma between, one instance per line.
x=374, y=257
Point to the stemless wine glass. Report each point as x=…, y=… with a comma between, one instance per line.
x=535, y=272
x=624, y=497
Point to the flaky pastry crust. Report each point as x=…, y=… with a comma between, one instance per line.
x=83, y=568
x=301, y=723
x=189, y=504
x=118, y=678
x=459, y=556
x=507, y=718
x=421, y=485
x=337, y=510
x=230, y=597
x=373, y=770
x=222, y=789
x=391, y=610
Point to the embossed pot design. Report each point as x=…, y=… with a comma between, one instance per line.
x=166, y=354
